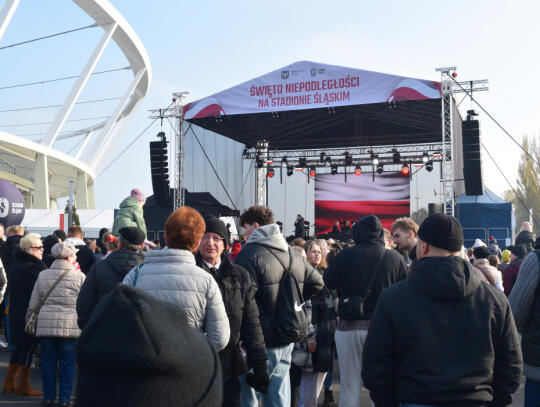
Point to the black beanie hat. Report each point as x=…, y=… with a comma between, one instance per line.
x=519, y=250
x=132, y=234
x=215, y=225
x=139, y=351
x=442, y=231
x=481, y=252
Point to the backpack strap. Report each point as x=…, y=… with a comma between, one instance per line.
x=487, y=276
x=285, y=268
x=367, y=291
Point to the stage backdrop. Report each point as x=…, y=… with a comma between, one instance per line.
x=388, y=198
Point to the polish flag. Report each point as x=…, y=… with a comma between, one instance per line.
x=207, y=107
x=413, y=89
x=388, y=198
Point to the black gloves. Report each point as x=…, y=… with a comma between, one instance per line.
x=258, y=379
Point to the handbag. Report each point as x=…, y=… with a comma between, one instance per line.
x=351, y=307
x=31, y=325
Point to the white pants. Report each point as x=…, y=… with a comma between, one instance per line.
x=349, y=345
x=310, y=388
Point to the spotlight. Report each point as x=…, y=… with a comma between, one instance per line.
x=357, y=170
x=333, y=169
x=260, y=162
x=270, y=173
x=348, y=159
x=284, y=162
x=396, y=157
x=312, y=172
x=425, y=157
x=323, y=156
x=302, y=162
x=374, y=159
x=380, y=168
x=405, y=170
x=429, y=166
x=290, y=170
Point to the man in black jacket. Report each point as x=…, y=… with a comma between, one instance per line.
x=238, y=292
x=299, y=226
x=351, y=272
x=85, y=256
x=443, y=337
x=264, y=257
x=106, y=274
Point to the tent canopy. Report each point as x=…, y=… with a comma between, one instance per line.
x=485, y=215
x=319, y=105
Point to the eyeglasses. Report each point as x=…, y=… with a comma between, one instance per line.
x=37, y=247
x=211, y=238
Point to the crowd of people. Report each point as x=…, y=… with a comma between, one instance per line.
x=409, y=313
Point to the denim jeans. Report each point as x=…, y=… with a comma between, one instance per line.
x=279, y=391
x=54, y=350
x=532, y=393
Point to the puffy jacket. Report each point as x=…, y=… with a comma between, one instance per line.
x=510, y=275
x=238, y=293
x=85, y=256
x=103, y=277
x=258, y=257
x=22, y=276
x=351, y=270
x=489, y=273
x=526, y=238
x=129, y=214
x=58, y=316
x=443, y=337
x=172, y=276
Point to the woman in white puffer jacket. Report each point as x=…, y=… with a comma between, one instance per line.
x=171, y=275
x=57, y=326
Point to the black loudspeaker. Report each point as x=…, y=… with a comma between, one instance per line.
x=160, y=171
x=472, y=160
x=431, y=209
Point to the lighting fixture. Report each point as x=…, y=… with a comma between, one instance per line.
x=333, y=169
x=270, y=173
x=348, y=158
x=380, y=168
x=290, y=170
x=357, y=170
x=312, y=172
x=429, y=166
x=425, y=157
x=302, y=162
x=405, y=170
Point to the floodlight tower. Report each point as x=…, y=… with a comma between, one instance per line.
x=180, y=149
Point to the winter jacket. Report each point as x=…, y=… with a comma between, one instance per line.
x=258, y=257
x=351, y=270
x=129, y=214
x=510, y=275
x=443, y=337
x=7, y=250
x=525, y=302
x=22, y=277
x=57, y=317
x=238, y=293
x=172, y=276
x=103, y=277
x=85, y=256
x=299, y=227
x=3, y=281
x=489, y=273
x=526, y=238
x=494, y=250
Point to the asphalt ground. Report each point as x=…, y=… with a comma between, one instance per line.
x=35, y=379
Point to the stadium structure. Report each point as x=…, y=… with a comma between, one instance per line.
x=40, y=170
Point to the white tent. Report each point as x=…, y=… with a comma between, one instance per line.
x=46, y=221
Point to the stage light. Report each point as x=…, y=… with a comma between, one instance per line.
x=270, y=173
x=380, y=168
x=357, y=170
x=312, y=172
x=260, y=163
x=375, y=159
x=396, y=157
x=284, y=162
x=429, y=166
x=454, y=74
x=425, y=157
x=348, y=159
x=302, y=162
x=290, y=170
x=333, y=169
x=323, y=156
x=405, y=170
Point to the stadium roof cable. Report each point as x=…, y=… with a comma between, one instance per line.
x=22, y=109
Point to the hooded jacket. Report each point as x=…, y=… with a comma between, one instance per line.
x=171, y=275
x=258, y=257
x=103, y=277
x=350, y=271
x=442, y=337
x=129, y=214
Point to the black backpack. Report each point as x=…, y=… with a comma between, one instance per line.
x=290, y=319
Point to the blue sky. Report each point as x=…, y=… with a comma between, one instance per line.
x=203, y=47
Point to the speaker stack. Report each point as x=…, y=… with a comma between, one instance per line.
x=472, y=161
x=159, y=167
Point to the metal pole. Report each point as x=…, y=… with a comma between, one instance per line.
x=70, y=212
x=260, y=173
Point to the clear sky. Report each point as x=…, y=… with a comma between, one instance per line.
x=203, y=47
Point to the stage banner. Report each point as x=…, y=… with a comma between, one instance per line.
x=388, y=198
x=310, y=85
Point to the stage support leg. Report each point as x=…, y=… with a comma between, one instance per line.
x=447, y=173
x=260, y=173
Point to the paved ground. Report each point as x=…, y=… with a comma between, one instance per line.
x=16, y=401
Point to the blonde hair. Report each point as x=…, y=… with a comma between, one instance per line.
x=308, y=246
x=405, y=224
x=15, y=230
x=526, y=226
x=29, y=240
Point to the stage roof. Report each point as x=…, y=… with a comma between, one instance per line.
x=312, y=105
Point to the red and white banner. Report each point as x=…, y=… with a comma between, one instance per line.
x=388, y=198
x=309, y=85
